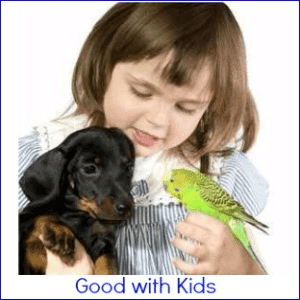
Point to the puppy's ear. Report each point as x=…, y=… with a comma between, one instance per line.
x=41, y=181
x=127, y=146
x=116, y=132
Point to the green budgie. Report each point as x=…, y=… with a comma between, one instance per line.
x=199, y=192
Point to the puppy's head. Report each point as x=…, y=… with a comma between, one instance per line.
x=100, y=174
x=90, y=171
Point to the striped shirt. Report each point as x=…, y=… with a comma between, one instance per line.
x=143, y=242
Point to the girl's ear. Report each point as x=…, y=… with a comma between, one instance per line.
x=41, y=181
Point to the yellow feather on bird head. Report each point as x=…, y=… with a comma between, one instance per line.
x=177, y=181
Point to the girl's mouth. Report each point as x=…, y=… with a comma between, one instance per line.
x=144, y=139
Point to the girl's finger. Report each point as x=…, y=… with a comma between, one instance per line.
x=193, y=231
x=202, y=268
x=184, y=267
x=203, y=220
x=191, y=248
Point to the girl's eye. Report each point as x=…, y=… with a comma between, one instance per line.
x=140, y=94
x=188, y=111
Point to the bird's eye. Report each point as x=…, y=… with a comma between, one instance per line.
x=177, y=190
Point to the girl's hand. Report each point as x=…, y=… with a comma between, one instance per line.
x=217, y=251
x=83, y=265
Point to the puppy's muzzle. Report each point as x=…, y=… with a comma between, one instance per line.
x=122, y=208
x=107, y=208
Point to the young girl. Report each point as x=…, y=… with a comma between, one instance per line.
x=173, y=77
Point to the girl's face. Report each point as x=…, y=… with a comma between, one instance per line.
x=155, y=115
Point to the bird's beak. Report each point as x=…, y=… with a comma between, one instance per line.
x=166, y=179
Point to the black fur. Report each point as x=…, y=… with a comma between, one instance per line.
x=86, y=183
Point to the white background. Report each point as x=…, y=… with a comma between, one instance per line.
x=40, y=44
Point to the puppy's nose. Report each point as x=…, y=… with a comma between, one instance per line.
x=121, y=208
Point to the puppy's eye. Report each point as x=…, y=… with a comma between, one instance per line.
x=90, y=169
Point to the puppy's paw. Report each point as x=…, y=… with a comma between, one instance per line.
x=35, y=256
x=59, y=239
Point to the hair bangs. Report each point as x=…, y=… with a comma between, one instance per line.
x=195, y=35
x=157, y=28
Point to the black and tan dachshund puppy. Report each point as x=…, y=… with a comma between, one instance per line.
x=80, y=189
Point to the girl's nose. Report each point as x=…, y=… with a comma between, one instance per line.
x=159, y=116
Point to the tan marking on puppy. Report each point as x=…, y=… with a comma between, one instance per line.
x=98, y=160
x=105, y=265
x=35, y=254
x=36, y=241
x=88, y=205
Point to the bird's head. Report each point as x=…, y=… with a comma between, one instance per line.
x=177, y=181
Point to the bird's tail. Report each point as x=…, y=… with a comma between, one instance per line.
x=251, y=220
x=259, y=225
x=238, y=230
x=254, y=256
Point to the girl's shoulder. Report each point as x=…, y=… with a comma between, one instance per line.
x=50, y=134
x=241, y=179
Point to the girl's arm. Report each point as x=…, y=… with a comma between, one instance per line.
x=217, y=251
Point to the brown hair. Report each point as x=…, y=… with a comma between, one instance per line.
x=194, y=32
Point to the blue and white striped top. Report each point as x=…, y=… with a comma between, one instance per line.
x=143, y=243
